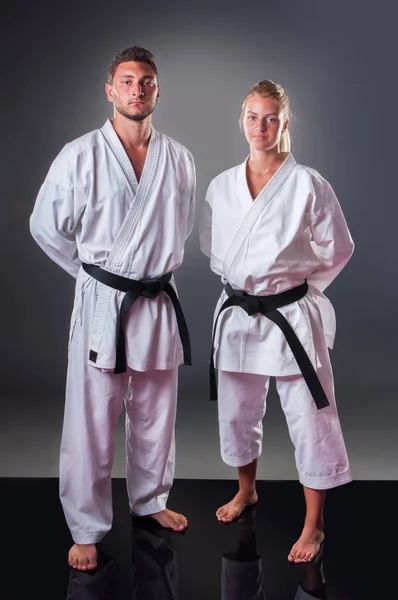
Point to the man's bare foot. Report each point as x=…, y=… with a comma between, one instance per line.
x=167, y=519
x=83, y=557
x=234, y=509
x=307, y=547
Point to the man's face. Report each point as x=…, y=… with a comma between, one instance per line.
x=134, y=91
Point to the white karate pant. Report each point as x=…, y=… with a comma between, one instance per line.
x=94, y=400
x=320, y=453
x=242, y=579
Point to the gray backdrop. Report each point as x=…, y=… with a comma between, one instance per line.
x=337, y=62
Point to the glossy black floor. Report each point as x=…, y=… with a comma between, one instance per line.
x=245, y=560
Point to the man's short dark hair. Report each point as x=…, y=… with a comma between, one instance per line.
x=134, y=54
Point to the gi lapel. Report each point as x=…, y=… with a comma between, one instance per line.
x=258, y=206
x=117, y=148
x=124, y=246
x=140, y=190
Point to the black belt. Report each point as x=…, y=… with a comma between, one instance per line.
x=149, y=288
x=267, y=306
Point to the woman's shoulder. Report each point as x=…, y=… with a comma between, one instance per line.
x=227, y=174
x=313, y=178
x=319, y=188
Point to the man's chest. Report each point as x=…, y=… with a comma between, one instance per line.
x=137, y=159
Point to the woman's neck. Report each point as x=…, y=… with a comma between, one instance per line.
x=264, y=162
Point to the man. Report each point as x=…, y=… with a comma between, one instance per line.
x=114, y=211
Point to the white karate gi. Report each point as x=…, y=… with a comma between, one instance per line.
x=293, y=231
x=92, y=209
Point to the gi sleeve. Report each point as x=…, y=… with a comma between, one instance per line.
x=331, y=239
x=205, y=224
x=206, y=230
x=191, y=214
x=55, y=219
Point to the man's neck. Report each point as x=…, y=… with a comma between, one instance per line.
x=133, y=134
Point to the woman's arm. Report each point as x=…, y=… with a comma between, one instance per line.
x=331, y=238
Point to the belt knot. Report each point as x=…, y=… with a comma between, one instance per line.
x=250, y=304
x=153, y=287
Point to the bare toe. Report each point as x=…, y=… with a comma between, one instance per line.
x=181, y=523
x=170, y=520
x=233, y=509
x=220, y=513
x=307, y=546
x=83, y=564
x=83, y=557
x=292, y=554
x=309, y=557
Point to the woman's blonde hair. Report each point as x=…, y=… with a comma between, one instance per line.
x=269, y=89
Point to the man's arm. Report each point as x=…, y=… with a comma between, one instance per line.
x=53, y=224
x=191, y=214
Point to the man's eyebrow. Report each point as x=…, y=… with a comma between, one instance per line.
x=133, y=77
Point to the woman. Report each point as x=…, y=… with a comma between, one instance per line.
x=274, y=230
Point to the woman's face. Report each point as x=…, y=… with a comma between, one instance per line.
x=263, y=123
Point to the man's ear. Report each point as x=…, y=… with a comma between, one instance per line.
x=109, y=92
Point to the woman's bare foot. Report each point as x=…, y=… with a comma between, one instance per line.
x=167, y=519
x=307, y=547
x=83, y=557
x=234, y=509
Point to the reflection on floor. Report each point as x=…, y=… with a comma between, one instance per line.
x=245, y=560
